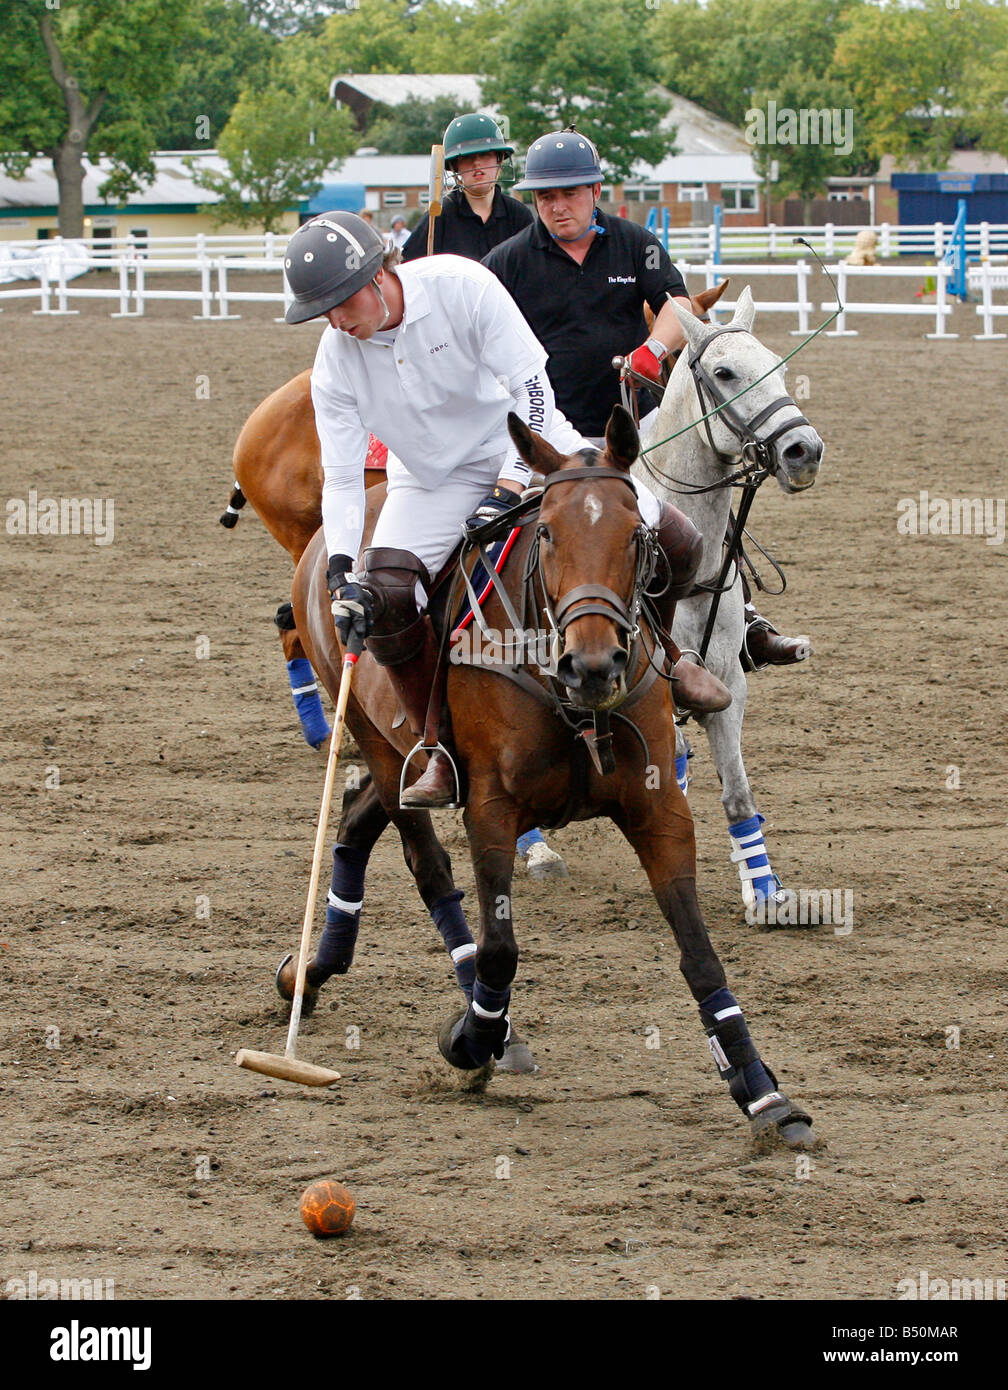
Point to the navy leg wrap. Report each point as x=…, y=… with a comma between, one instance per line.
x=307, y=701
x=490, y=1003
x=346, y=897
x=752, y=1084
x=451, y=923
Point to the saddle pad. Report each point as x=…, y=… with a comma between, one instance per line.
x=377, y=453
x=481, y=581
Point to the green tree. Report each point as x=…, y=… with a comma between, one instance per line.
x=223, y=53
x=720, y=54
x=277, y=147
x=925, y=79
x=84, y=76
x=807, y=151
x=283, y=17
x=412, y=126
x=564, y=61
x=455, y=37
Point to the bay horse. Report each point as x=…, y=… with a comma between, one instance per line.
x=277, y=464
x=763, y=431
x=589, y=732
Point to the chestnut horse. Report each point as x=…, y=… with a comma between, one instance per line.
x=536, y=746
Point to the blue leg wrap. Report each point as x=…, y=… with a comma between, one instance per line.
x=749, y=852
x=530, y=838
x=490, y=1003
x=307, y=701
x=752, y=1084
x=681, y=770
x=451, y=923
x=346, y=897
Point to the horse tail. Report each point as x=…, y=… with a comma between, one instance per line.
x=236, y=501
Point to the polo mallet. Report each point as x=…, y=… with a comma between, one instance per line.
x=434, y=191
x=288, y=1067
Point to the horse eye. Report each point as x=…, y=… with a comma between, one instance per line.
x=543, y=532
x=724, y=373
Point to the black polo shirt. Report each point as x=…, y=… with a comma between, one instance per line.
x=459, y=232
x=584, y=315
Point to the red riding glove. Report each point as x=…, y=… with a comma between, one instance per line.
x=647, y=360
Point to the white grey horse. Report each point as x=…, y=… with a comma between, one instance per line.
x=726, y=360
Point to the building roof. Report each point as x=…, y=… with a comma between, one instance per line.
x=172, y=184
x=698, y=131
x=962, y=161
x=392, y=88
x=698, y=168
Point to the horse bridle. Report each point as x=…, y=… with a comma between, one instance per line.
x=755, y=449
x=585, y=599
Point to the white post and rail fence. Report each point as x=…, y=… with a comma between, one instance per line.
x=219, y=266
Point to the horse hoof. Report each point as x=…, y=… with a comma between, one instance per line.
x=543, y=862
x=460, y=1051
x=778, y=911
x=783, y=1123
x=286, y=978
x=518, y=1059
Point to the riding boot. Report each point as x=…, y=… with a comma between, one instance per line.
x=412, y=681
x=763, y=645
x=695, y=689
x=403, y=642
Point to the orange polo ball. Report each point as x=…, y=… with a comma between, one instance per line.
x=327, y=1208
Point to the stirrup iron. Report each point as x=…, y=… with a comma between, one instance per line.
x=421, y=747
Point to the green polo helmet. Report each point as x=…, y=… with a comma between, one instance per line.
x=473, y=134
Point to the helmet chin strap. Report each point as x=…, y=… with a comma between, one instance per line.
x=592, y=227
x=381, y=300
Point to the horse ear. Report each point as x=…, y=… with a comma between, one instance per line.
x=540, y=456
x=704, y=300
x=695, y=331
x=745, y=310
x=621, y=437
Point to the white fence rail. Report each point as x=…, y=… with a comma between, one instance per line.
x=986, y=279
x=983, y=239
x=212, y=260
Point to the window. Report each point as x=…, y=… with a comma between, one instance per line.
x=394, y=198
x=608, y=193
x=643, y=193
x=692, y=192
x=138, y=235
x=841, y=196
x=739, y=198
x=424, y=198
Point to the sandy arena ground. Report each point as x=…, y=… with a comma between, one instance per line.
x=134, y=1150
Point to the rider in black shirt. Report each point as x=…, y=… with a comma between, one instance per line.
x=581, y=279
x=475, y=216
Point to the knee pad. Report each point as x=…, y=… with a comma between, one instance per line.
x=399, y=631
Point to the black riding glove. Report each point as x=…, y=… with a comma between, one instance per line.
x=336, y=574
x=495, y=505
x=353, y=605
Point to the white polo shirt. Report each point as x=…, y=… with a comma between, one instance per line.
x=436, y=389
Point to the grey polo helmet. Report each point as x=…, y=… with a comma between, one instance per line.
x=561, y=159
x=329, y=259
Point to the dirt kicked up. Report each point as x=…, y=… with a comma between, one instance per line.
x=157, y=826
